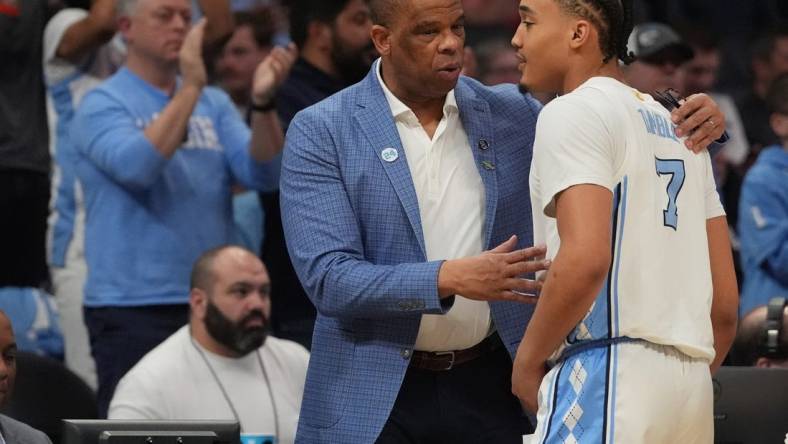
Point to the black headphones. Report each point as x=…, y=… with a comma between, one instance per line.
x=769, y=345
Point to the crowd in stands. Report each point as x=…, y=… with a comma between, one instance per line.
x=139, y=139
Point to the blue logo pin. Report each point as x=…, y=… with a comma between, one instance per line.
x=389, y=154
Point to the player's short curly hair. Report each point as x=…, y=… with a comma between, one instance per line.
x=612, y=18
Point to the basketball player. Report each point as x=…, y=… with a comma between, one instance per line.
x=639, y=305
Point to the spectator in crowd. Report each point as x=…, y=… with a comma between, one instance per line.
x=497, y=62
x=81, y=49
x=35, y=319
x=763, y=211
x=733, y=21
x=335, y=51
x=762, y=339
x=768, y=61
x=223, y=365
x=249, y=44
x=157, y=157
x=660, y=53
x=24, y=149
x=11, y=430
x=699, y=75
x=77, y=57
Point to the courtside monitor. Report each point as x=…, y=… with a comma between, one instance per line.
x=750, y=405
x=78, y=431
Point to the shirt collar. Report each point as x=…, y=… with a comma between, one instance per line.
x=401, y=111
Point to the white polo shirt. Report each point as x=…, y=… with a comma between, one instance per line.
x=451, y=200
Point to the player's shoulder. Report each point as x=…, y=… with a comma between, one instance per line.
x=600, y=99
x=598, y=93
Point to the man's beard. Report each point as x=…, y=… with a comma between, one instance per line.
x=236, y=337
x=352, y=65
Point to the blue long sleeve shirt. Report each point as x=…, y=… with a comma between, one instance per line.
x=763, y=229
x=149, y=218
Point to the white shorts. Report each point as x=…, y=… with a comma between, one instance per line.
x=629, y=392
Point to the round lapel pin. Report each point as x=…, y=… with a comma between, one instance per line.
x=389, y=154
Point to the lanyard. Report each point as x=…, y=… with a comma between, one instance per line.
x=224, y=392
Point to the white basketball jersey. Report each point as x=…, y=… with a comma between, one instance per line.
x=659, y=285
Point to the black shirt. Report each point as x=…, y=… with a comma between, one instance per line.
x=24, y=137
x=755, y=115
x=292, y=313
x=305, y=86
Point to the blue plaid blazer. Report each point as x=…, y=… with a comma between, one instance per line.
x=352, y=226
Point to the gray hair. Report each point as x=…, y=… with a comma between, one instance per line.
x=126, y=7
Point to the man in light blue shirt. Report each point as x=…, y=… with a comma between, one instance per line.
x=763, y=213
x=158, y=154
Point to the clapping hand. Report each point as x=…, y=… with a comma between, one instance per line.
x=190, y=57
x=272, y=72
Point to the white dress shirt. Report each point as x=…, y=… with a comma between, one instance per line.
x=451, y=200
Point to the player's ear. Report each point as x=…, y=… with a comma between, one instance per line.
x=580, y=33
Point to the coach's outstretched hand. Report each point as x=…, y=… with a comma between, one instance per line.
x=495, y=275
x=701, y=119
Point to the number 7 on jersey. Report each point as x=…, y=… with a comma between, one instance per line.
x=674, y=168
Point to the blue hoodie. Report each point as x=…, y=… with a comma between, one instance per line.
x=149, y=218
x=763, y=229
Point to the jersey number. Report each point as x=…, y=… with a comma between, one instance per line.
x=674, y=168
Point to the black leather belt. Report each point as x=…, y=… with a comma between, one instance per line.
x=443, y=361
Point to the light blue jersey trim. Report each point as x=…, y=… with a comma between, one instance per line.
x=615, y=312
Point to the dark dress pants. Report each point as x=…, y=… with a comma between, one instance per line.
x=471, y=403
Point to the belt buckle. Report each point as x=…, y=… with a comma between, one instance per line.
x=451, y=362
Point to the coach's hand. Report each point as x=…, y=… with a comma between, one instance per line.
x=190, y=57
x=494, y=275
x=701, y=119
x=526, y=379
